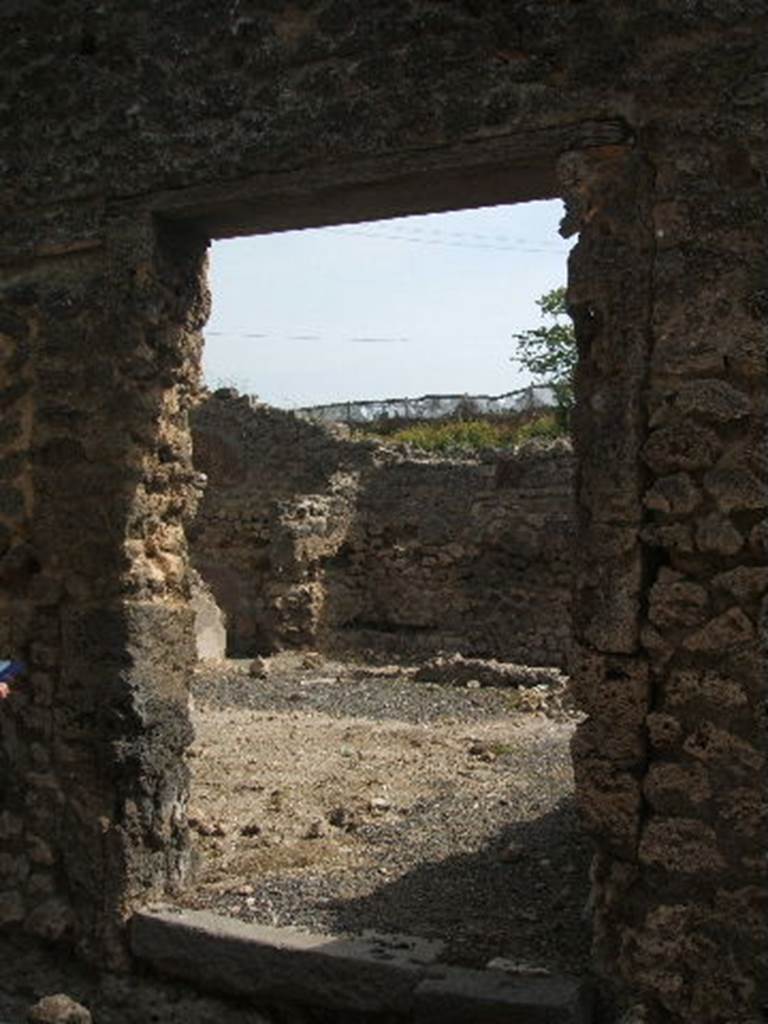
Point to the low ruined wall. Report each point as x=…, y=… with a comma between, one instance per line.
x=469, y=556
x=278, y=501
x=306, y=537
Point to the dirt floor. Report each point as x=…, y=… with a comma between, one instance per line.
x=344, y=798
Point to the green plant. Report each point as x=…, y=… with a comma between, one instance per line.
x=454, y=435
x=549, y=352
x=450, y=436
x=547, y=427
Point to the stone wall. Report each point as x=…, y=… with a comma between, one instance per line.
x=134, y=131
x=278, y=503
x=309, y=538
x=465, y=556
x=96, y=477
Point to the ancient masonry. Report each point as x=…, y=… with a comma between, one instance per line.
x=310, y=539
x=132, y=132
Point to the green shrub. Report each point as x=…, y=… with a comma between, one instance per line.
x=549, y=426
x=445, y=437
x=454, y=435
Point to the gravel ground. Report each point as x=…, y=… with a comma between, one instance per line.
x=343, y=798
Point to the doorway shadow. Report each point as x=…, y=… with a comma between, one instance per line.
x=521, y=897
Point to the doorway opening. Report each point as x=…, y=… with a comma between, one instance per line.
x=398, y=333
x=395, y=613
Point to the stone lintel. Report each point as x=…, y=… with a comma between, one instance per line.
x=506, y=168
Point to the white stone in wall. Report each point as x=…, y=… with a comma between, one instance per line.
x=210, y=624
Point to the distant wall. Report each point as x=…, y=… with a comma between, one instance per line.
x=278, y=502
x=467, y=556
x=308, y=538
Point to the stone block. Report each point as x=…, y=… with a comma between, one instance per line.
x=664, y=731
x=14, y=868
x=675, y=495
x=58, y=1009
x=382, y=975
x=683, y=846
x=53, y=230
x=724, y=750
x=377, y=974
x=210, y=626
x=672, y=537
x=460, y=995
x=606, y=608
x=676, y=602
x=747, y=583
x=40, y=886
x=744, y=810
x=600, y=737
x=736, y=488
x=609, y=801
x=730, y=629
x=701, y=686
x=610, y=471
x=717, y=535
x=610, y=686
x=681, y=446
x=711, y=399
x=39, y=851
x=745, y=351
x=671, y=787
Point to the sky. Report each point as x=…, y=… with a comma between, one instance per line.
x=388, y=309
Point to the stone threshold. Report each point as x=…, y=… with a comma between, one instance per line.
x=399, y=975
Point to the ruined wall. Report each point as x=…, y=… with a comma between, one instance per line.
x=278, y=501
x=124, y=119
x=308, y=538
x=465, y=556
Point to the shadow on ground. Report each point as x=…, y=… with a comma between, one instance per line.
x=521, y=896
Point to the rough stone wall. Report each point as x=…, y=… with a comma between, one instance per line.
x=123, y=118
x=308, y=538
x=278, y=502
x=667, y=288
x=465, y=556
x=93, y=572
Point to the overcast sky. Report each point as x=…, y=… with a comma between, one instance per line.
x=396, y=308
